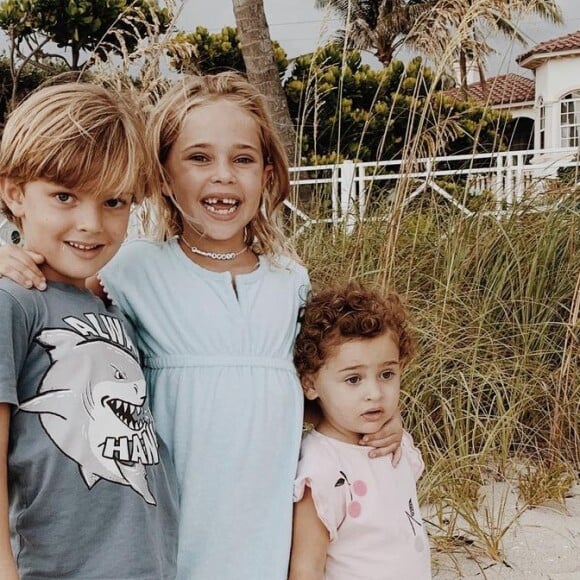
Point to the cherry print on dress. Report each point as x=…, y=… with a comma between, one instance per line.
x=358, y=488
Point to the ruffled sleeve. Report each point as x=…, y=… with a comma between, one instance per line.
x=413, y=455
x=318, y=471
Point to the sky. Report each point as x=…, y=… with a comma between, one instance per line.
x=300, y=27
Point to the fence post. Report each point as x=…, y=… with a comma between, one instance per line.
x=347, y=193
x=362, y=192
x=520, y=184
x=336, y=181
x=498, y=188
x=509, y=180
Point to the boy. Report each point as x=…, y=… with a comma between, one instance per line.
x=87, y=490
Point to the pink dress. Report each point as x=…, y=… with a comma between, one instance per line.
x=369, y=507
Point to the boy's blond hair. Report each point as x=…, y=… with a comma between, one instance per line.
x=165, y=125
x=79, y=136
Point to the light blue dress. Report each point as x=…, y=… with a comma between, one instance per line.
x=225, y=398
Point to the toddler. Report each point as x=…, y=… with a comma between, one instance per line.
x=355, y=517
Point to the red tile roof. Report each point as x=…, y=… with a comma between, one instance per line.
x=500, y=90
x=570, y=42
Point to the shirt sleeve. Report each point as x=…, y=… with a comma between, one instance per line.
x=14, y=342
x=113, y=278
x=304, y=286
x=413, y=456
x=328, y=494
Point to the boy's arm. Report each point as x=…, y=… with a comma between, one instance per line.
x=310, y=541
x=21, y=266
x=7, y=563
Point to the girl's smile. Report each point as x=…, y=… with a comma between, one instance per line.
x=216, y=174
x=221, y=206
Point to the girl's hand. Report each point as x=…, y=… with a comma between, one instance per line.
x=21, y=266
x=387, y=439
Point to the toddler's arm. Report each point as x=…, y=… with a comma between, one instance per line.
x=21, y=266
x=310, y=541
x=7, y=563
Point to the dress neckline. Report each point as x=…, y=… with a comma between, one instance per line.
x=248, y=277
x=339, y=442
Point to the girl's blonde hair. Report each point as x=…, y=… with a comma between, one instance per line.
x=79, y=136
x=166, y=122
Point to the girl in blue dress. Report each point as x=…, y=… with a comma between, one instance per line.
x=215, y=306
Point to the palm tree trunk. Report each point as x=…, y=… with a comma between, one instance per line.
x=385, y=53
x=76, y=55
x=463, y=72
x=261, y=68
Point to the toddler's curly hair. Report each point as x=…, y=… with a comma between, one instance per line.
x=353, y=311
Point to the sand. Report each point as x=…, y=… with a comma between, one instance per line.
x=541, y=543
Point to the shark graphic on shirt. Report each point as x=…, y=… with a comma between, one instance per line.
x=92, y=404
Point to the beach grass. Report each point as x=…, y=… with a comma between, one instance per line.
x=493, y=393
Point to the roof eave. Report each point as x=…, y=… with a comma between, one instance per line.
x=518, y=104
x=533, y=61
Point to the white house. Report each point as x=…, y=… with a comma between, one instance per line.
x=546, y=109
x=556, y=67
x=512, y=93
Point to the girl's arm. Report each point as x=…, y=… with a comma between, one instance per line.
x=21, y=266
x=7, y=563
x=310, y=541
x=387, y=439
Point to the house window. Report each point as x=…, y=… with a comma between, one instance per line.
x=542, y=124
x=570, y=120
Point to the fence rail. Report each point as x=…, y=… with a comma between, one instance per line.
x=507, y=177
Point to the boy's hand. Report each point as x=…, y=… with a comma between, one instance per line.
x=21, y=266
x=387, y=439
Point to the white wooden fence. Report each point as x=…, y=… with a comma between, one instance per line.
x=508, y=177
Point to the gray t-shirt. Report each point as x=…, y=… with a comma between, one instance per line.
x=92, y=491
